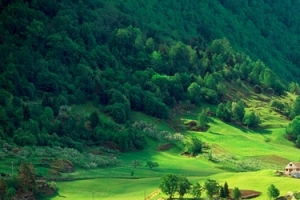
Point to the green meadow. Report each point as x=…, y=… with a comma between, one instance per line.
x=235, y=150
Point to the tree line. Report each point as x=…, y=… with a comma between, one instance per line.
x=171, y=184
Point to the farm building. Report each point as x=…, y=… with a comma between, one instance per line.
x=292, y=168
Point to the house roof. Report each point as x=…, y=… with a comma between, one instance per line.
x=296, y=164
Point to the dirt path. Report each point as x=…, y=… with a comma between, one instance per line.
x=153, y=194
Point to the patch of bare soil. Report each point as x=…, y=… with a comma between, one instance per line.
x=248, y=194
x=164, y=147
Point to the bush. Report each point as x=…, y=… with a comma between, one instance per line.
x=257, y=89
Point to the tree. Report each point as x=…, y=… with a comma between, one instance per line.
x=296, y=108
x=194, y=145
x=212, y=188
x=194, y=91
x=226, y=190
x=135, y=163
x=202, y=120
x=298, y=141
x=196, y=191
x=26, y=177
x=238, y=110
x=222, y=195
x=220, y=111
x=277, y=105
x=293, y=128
x=94, y=119
x=251, y=119
x=151, y=164
x=273, y=192
x=236, y=193
x=223, y=112
x=169, y=184
x=183, y=186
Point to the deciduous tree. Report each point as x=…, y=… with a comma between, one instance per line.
x=202, y=120
x=196, y=190
x=212, y=188
x=169, y=184
x=183, y=186
x=151, y=164
x=251, y=119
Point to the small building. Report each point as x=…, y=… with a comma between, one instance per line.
x=292, y=168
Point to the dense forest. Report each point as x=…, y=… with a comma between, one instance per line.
x=133, y=55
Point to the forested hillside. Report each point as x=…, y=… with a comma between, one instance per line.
x=133, y=55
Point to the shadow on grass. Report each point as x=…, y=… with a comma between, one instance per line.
x=214, y=133
x=61, y=196
x=263, y=131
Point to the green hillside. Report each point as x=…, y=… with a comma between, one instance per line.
x=108, y=91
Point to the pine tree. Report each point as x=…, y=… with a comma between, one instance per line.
x=273, y=192
x=222, y=194
x=94, y=118
x=226, y=190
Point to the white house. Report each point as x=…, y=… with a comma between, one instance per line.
x=292, y=168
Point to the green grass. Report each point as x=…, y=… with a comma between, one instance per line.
x=266, y=144
x=119, y=188
x=106, y=188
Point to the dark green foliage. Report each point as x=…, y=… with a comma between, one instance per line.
x=69, y=52
x=194, y=90
x=277, y=105
x=257, y=89
x=152, y=164
x=295, y=111
x=251, y=119
x=238, y=110
x=273, y=192
x=194, y=145
x=293, y=129
x=3, y=188
x=135, y=163
x=26, y=177
x=169, y=184
x=196, y=191
x=118, y=112
x=202, y=120
x=183, y=186
x=94, y=119
x=212, y=188
x=223, y=112
x=226, y=190
x=298, y=141
x=236, y=193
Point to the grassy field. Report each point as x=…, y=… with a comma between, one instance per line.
x=117, y=188
x=266, y=146
x=106, y=188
